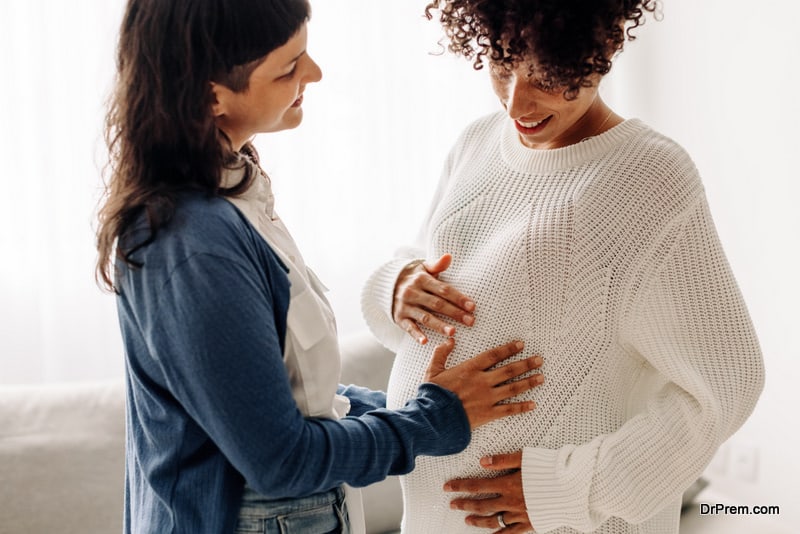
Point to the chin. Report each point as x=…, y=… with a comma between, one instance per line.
x=287, y=124
x=292, y=119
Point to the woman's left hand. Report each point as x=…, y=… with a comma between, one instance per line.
x=507, y=506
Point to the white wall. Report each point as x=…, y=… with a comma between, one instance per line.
x=56, y=60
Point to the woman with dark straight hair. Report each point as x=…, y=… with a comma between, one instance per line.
x=235, y=418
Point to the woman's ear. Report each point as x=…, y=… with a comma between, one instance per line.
x=220, y=93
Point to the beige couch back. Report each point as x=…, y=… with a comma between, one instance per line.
x=62, y=453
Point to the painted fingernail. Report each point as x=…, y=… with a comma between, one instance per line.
x=539, y=379
x=469, y=320
x=538, y=360
x=487, y=461
x=520, y=345
x=469, y=305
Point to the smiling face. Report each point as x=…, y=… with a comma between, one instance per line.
x=273, y=98
x=544, y=118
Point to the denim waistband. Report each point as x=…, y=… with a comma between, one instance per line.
x=324, y=512
x=252, y=498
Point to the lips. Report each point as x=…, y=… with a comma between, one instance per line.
x=532, y=127
x=298, y=102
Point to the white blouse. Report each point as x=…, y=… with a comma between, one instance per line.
x=311, y=352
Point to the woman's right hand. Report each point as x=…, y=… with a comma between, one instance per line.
x=480, y=386
x=420, y=298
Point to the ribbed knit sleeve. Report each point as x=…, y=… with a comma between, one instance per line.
x=689, y=326
x=377, y=296
x=362, y=400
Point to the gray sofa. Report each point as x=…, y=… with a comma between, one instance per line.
x=62, y=453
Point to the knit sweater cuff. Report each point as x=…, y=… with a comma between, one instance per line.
x=376, y=303
x=556, y=485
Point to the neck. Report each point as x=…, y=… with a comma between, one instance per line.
x=598, y=119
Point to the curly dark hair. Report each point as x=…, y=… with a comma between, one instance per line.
x=570, y=41
x=160, y=129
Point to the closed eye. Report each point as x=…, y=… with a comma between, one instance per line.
x=289, y=75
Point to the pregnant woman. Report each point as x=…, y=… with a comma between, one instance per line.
x=589, y=237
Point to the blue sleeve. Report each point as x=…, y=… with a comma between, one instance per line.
x=214, y=334
x=362, y=399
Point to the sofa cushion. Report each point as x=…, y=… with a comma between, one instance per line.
x=62, y=450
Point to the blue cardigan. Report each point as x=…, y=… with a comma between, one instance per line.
x=209, y=404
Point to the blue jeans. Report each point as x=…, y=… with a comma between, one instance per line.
x=322, y=513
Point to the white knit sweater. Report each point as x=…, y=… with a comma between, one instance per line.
x=601, y=256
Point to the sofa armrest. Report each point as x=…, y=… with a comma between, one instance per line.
x=62, y=454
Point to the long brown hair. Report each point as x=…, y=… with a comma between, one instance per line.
x=159, y=129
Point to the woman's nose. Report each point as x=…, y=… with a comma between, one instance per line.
x=520, y=102
x=314, y=73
